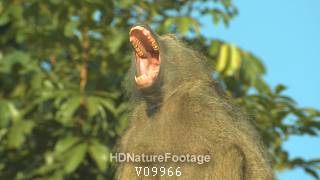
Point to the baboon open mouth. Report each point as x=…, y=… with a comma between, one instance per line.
x=147, y=57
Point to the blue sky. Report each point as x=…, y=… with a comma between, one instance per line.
x=286, y=36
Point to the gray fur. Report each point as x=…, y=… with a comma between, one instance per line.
x=185, y=112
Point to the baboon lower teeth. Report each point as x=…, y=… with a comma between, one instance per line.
x=155, y=47
x=140, y=53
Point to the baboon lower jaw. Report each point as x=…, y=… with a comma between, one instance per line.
x=147, y=56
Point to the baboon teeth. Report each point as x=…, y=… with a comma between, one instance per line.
x=136, y=44
x=139, y=46
x=155, y=47
x=142, y=46
x=151, y=40
x=143, y=79
x=153, y=43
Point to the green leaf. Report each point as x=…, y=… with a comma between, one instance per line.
x=126, y=3
x=64, y=144
x=122, y=123
x=68, y=108
x=227, y=3
x=312, y=172
x=55, y=1
x=168, y=22
x=70, y=28
x=117, y=39
x=258, y=65
x=100, y=154
x=74, y=157
x=4, y=19
x=214, y=48
x=18, y=133
x=183, y=26
x=93, y=104
x=280, y=88
x=5, y=114
x=108, y=104
x=216, y=19
x=15, y=58
x=16, y=11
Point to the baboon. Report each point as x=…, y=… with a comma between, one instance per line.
x=178, y=108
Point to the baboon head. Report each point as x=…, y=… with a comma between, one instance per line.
x=162, y=63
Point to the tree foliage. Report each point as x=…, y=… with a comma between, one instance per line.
x=61, y=67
